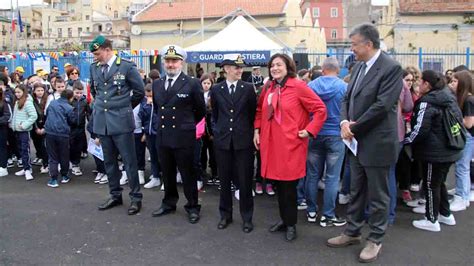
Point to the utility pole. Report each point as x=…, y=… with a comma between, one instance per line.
x=11, y=35
x=202, y=20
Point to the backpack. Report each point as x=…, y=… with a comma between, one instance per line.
x=454, y=129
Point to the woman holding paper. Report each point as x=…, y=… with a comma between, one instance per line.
x=282, y=128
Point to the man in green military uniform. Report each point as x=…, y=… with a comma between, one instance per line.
x=117, y=88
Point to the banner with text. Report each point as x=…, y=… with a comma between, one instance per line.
x=250, y=57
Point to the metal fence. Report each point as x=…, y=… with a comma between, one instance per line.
x=422, y=58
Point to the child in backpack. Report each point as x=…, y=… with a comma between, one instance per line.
x=59, y=117
x=5, y=115
x=147, y=115
x=24, y=116
x=40, y=98
x=78, y=138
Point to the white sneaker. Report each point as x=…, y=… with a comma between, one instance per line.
x=452, y=192
x=141, y=177
x=321, y=184
x=344, y=199
x=415, y=187
x=236, y=194
x=20, y=173
x=98, y=177
x=199, y=185
x=311, y=217
x=416, y=203
x=458, y=204
x=120, y=166
x=154, y=182
x=104, y=180
x=76, y=170
x=419, y=209
x=28, y=175
x=162, y=187
x=471, y=198
x=124, y=178
x=3, y=171
x=468, y=203
x=178, y=178
x=427, y=225
x=44, y=170
x=449, y=220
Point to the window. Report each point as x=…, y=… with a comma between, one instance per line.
x=333, y=34
x=60, y=33
x=99, y=28
x=115, y=14
x=316, y=12
x=69, y=32
x=88, y=29
x=88, y=17
x=333, y=12
x=79, y=31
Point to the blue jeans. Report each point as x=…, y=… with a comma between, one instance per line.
x=300, y=189
x=463, y=179
x=329, y=151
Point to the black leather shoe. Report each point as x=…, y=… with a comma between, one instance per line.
x=223, y=223
x=134, y=208
x=278, y=227
x=247, y=227
x=110, y=203
x=162, y=211
x=193, y=217
x=290, y=233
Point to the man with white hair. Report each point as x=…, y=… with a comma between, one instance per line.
x=327, y=148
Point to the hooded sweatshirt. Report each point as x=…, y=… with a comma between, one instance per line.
x=331, y=90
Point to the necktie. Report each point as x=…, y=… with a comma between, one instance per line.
x=232, y=90
x=355, y=89
x=104, y=70
x=170, y=81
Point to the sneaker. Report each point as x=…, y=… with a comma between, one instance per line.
x=162, y=187
x=154, y=182
x=406, y=196
x=53, y=183
x=471, y=196
x=269, y=190
x=65, y=179
x=210, y=181
x=141, y=177
x=237, y=195
x=3, y=171
x=28, y=175
x=10, y=163
x=334, y=221
x=415, y=187
x=468, y=203
x=458, y=204
x=35, y=161
x=199, y=185
x=232, y=187
x=76, y=170
x=302, y=206
x=258, y=188
x=20, y=173
x=452, y=191
x=419, y=210
x=19, y=164
x=124, y=178
x=416, y=203
x=344, y=199
x=104, y=180
x=84, y=155
x=448, y=220
x=311, y=217
x=179, y=180
x=321, y=184
x=98, y=177
x=427, y=225
x=44, y=170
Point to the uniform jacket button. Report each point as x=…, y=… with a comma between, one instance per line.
x=105, y=110
x=162, y=117
x=174, y=126
x=105, y=83
x=105, y=92
x=105, y=101
x=230, y=129
x=174, y=108
x=174, y=117
x=162, y=107
x=163, y=126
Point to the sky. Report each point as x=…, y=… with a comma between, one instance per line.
x=22, y=2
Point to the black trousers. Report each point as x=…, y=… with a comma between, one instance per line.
x=76, y=143
x=58, y=153
x=208, y=147
x=12, y=146
x=123, y=144
x=140, y=150
x=436, y=194
x=286, y=193
x=181, y=158
x=235, y=164
x=3, y=146
x=39, y=141
x=369, y=185
x=403, y=170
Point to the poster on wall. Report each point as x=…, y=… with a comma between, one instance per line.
x=43, y=63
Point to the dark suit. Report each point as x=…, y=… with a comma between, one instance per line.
x=179, y=109
x=374, y=108
x=233, y=118
x=113, y=120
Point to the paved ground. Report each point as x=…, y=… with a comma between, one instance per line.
x=45, y=226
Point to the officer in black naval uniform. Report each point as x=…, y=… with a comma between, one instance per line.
x=234, y=104
x=180, y=106
x=117, y=88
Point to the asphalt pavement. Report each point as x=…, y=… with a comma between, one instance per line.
x=45, y=226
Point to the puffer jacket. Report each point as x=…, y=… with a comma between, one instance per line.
x=428, y=138
x=24, y=118
x=82, y=113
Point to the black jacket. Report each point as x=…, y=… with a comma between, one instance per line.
x=428, y=139
x=41, y=120
x=5, y=114
x=82, y=112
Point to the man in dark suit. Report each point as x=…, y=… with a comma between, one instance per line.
x=369, y=115
x=234, y=104
x=256, y=78
x=117, y=88
x=180, y=106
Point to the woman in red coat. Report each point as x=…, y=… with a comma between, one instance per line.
x=282, y=128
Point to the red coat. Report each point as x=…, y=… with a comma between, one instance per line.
x=282, y=152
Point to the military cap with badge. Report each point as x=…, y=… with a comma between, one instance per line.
x=233, y=60
x=173, y=52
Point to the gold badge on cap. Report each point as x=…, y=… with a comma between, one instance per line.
x=239, y=60
x=171, y=51
x=96, y=46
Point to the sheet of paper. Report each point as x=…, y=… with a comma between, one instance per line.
x=95, y=150
x=352, y=145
